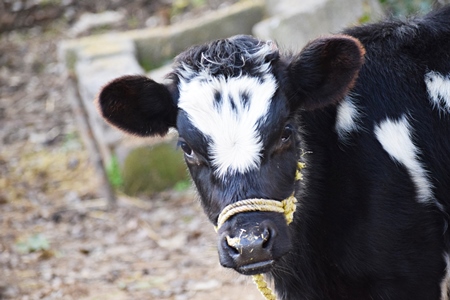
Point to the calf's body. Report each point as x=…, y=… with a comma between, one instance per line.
x=368, y=111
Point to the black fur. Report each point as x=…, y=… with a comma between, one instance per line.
x=324, y=71
x=138, y=105
x=359, y=231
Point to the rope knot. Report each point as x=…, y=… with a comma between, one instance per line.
x=289, y=206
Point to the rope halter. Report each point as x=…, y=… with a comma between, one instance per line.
x=286, y=207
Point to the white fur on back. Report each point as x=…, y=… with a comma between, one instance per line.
x=438, y=87
x=236, y=144
x=396, y=138
x=347, y=118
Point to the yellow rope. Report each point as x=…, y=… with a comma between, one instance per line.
x=298, y=173
x=286, y=207
x=263, y=288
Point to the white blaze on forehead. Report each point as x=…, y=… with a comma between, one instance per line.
x=217, y=108
x=438, y=87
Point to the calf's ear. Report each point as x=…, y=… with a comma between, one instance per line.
x=138, y=105
x=324, y=71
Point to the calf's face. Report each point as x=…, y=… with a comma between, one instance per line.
x=234, y=103
x=239, y=143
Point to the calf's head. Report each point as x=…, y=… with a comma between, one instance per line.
x=234, y=103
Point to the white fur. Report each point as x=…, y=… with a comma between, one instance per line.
x=347, y=118
x=396, y=138
x=445, y=284
x=438, y=87
x=235, y=140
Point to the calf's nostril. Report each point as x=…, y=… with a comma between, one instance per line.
x=265, y=237
x=232, y=244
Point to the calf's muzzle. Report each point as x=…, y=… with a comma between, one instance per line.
x=251, y=242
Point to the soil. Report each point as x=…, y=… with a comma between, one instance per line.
x=58, y=240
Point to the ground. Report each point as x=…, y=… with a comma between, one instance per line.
x=58, y=240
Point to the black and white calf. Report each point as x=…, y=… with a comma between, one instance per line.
x=368, y=111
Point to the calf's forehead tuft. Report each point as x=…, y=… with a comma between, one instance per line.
x=232, y=57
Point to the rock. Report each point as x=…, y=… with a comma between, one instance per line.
x=293, y=28
x=275, y=7
x=149, y=170
x=155, y=21
x=156, y=45
x=90, y=21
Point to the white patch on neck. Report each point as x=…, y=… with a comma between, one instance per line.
x=445, y=284
x=438, y=87
x=396, y=138
x=347, y=118
x=231, y=124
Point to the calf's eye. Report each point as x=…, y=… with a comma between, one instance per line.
x=186, y=148
x=286, y=134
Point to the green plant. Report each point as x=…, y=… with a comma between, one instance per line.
x=182, y=185
x=365, y=18
x=114, y=173
x=179, y=6
x=133, y=22
x=406, y=7
x=34, y=243
x=198, y=3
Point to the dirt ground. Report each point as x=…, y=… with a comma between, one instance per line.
x=57, y=239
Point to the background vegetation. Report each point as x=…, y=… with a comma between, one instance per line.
x=408, y=7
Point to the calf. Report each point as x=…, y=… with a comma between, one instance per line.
x=367, y=111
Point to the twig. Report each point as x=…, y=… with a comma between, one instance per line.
x=89, y=141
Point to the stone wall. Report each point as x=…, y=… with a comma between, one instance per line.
x=293, y=23
x=95, y=60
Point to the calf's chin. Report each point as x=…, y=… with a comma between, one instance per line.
x=252, y=242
